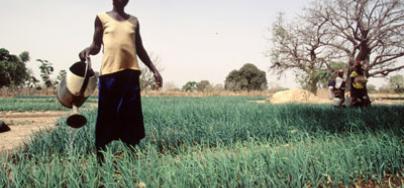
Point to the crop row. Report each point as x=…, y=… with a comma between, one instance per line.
x=181, y=123
x=323, y=161
x=34, y=104
x=221, y=142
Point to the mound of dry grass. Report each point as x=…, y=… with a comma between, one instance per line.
x=297, y=96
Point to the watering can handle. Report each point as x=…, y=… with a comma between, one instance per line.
x=88, y=67
x=85, y=82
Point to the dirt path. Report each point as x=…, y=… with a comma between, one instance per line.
x=24, y=124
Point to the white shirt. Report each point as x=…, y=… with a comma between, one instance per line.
x=338, y=82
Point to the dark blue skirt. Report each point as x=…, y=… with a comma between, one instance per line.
x=120, y=114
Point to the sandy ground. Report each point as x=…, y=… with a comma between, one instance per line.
x=23, y=125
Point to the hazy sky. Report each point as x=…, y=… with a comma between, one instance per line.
x=195, y=40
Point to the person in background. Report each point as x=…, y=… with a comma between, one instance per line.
x=337, y=89
x=331, y=85
x=120, y=114
x=359, y=93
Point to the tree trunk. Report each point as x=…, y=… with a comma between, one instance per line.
x=364, y=57
x=312, y=85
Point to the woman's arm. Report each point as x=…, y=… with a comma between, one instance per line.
x=95, y=47
x=142, y=53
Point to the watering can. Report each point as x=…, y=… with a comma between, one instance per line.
x=79, y=84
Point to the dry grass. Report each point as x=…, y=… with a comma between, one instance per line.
x=320, y=98
x=297, y=96
x=9, y=93
x=207, y=94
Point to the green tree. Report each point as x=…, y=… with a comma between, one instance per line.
x=248, y=78
x=61, y=76
x=396, y=83
x=326, y=75
x=204, y=86
x=190, y=86
x=32, y=81
x=13, y=71
x=371, y=88
x=46, y=69
x=24, y=57
x=234, y=81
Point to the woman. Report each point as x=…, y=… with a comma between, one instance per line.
x=359, y=92
x=119, y=107
x=337, y=89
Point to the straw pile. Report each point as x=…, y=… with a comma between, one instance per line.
x=296, y=96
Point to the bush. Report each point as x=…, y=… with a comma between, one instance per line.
x=248, y=78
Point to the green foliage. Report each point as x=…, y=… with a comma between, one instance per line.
x=204, y=86
x=61, y=76
x=23, y=104
x=248, y=78
x=310, y=81
x=251, y=164
x=396, y=83
x=32, y=81
x=13, y=71
x=46, y=69
x=335, y=66
x=371, y=88
x=190, y=86
x=326, y=75
x=221, y=142
x=24, y=57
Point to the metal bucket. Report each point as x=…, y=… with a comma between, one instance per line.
x=73, y=91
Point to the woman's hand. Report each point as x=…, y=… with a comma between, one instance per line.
x=83, y=55
x=158, y=79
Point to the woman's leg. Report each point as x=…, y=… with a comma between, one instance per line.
x=130, y=112
x=106, y=128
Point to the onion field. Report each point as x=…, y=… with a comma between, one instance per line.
x=22, y=104
x=219, y=142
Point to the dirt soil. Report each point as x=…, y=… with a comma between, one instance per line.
x=24, y=124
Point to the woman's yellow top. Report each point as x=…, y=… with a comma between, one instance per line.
x=359, y=81
x=119, y=44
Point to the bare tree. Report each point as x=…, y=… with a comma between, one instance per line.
x=301, y=47
x=369, y=31
x=147, y=80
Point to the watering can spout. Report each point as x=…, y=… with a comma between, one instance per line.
x=76, y=120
